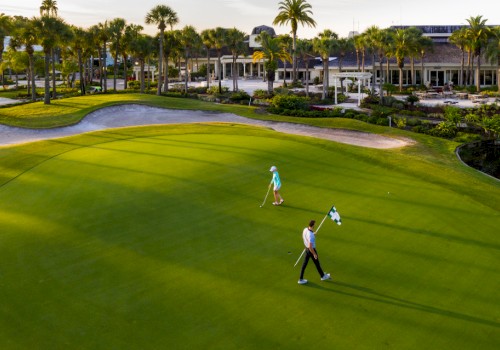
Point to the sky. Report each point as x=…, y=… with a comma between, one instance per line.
x=341, y=16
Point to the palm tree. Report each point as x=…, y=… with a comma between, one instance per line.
x=161, y=15
x=131, y=33
x=172, y=45
x=78, y=43
x=425, y=44
x=271, y=51
x=219, y=41
x=305, y=52
x=235, y=42
x=413, y=43
x=48, y=8
x=459, y=39
x=50, y=31
x=479, y=35
x=401, y=51
x=142, y=47
x=324, y=44
x=25, y=35
x=189, y=36
x=343, y=46
x=5, y=28
x=493, y=51
x=372, y=39
x=116, y=31
x=294, y=12
x=360, y=47
x=207, y=38
x=287, y=42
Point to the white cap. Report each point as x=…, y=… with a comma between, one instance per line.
x=273, y=168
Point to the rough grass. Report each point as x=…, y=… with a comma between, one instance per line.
x=153, y=238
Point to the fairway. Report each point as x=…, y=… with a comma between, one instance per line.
x=153, y=238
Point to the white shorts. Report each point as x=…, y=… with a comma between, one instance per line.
x=277, y=188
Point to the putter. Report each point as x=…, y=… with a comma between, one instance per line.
x=268, y=188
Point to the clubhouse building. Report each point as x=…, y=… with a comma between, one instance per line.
x=441, y=64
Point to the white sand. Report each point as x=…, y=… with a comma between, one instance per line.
x=133, y=115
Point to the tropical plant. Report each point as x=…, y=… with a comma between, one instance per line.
x=294, y=12
x=305, y=52
x=161, y=15
x=343, y=46
x=271, y=51
x=5, y=28
x=219, y=41
x=50, y=31
x=460, y=39
x=401, y=51
x=493, y=51
x=235, y=43
x=142, y=47
x=24, y=35
x=188, y=38
x=479, y=34
x=207, y=38
x=116, y=31
x=48, y=8
x=324, y=44
x=131, y=33
x=287, y=42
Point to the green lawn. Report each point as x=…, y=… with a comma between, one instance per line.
x=153, y=238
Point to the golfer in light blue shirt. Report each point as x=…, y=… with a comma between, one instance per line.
x=277, y=185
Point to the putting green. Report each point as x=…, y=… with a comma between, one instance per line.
x=153, y=238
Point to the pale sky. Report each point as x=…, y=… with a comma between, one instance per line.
x=341, y=16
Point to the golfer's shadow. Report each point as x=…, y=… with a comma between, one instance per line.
x=364, y=293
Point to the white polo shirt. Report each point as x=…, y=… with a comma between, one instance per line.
x=309, y=237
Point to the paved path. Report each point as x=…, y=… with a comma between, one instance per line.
x=133, y=115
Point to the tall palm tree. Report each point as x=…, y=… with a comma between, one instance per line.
x=493, y=51
x=171, y=46
x=235, y=42
x=50, y=31
x=413, y=43
x=49, y=8
x=294, y=12
x=459, y=39
x=401, y=51
x=287, y=42
x=372, y=39
x=131, y=33
x=207, y=38
x=271, y=51
x=25, y=35
x=161, y=15
x=142, y=47
x=324, y=44
x=425, y=44
x=343, y=46
x=5, y=28
x=360, y=47
x=305, y=52
x=479, y=34
x=189, y=36
x=219, y=41
x=78, y=43
x=116, y=30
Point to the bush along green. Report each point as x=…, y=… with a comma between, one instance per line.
x=290, y=102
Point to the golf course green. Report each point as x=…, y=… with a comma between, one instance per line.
x=153, y=238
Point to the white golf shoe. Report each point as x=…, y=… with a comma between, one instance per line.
x=302, y=281
x=326, y=276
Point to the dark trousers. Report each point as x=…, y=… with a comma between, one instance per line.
x=309, y=255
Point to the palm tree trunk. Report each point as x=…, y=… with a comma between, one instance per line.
x=186, y=72
x=381, y=82
x=142, y=75
x=208, y=67
x=115, y=66
x=307, y=76
x=478, y=73
x=47, y=79
x=412, y=65
x=325, y=78
x=125, y=73
x=363, y=61
x=105, y=71
x=80, y=69
x=32, y=77
x=461, y=78
x=160, y=62
x=422, y=81
x=54, y=92
x=294, y=58
x=373, y=73
x=219, y=71
x=165, y=88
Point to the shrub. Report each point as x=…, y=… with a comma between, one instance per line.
x=261, y=94
x=290, y=102
x=412, y=99
x=239, y=96
x=214, y=90
x=400, y=122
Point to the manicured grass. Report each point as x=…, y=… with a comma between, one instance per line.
x=148, y=238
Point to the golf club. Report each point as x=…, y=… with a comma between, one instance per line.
x=265, y=198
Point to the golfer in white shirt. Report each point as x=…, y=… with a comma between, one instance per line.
x=310, y=244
